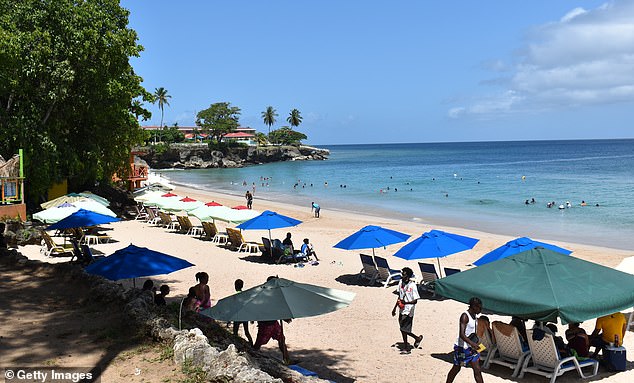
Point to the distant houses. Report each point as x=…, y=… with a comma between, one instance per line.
x=243, y=135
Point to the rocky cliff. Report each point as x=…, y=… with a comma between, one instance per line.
x=199, y=156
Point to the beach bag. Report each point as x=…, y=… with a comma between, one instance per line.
x=474, y=338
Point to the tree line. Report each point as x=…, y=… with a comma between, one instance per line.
x=71, y=100
x=222, y=118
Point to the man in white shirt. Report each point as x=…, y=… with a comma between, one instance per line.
x=466, y=349
x=406, y=302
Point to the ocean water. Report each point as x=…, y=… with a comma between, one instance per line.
x=479, y=185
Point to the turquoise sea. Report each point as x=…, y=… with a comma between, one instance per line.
x=476, y=185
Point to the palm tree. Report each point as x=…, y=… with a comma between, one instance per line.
x=269, y=117
x=294, y=118
x=161, y=96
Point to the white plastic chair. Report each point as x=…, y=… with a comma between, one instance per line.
x=547, y=362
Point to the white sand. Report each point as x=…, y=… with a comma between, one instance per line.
x=355, y=343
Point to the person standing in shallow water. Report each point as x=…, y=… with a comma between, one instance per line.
x=465, y=349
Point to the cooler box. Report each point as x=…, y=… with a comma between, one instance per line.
x=614, y=358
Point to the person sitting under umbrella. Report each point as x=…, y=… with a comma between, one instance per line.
x=307, y=250
x=201, y=291
x=272, y=329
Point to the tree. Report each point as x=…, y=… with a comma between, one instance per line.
x=286, y=136
x=67, y=90
x=219, y=119
x=294, y=118
x=173, y=134
x=261, y=139
x=269, y=116
x=161, y=96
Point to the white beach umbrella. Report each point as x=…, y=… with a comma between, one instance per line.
x=223, y=213
x=209, y=213
x=146, y=195
x=155, y=200
x=92, y=205
x=56, y=213
x=183, y=204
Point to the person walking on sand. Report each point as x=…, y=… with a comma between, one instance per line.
x=239, y=284
x=249, y=198
x=272, y=329
x=406, y=302
x=466, y=346
x=316, y=208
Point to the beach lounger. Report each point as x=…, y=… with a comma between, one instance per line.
x=449, y=271
x=428, y=275
x=152, y=219
x=52, y=249
x=212, y=234
x=272, y=252
x=386, y=274
x=237, y=242
x=490, y=345
x=140, y=214
x=188, y=228
x=168, y=222
x=630, y=322
x=88, y=255
x=545, y=360
x=508, y=351
x=369, y=270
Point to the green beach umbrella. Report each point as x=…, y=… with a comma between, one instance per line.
x=541, y=284
x=277, y=299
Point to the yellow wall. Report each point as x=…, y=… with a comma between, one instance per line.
x=58, y=190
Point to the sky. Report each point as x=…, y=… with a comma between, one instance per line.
x=365, y=71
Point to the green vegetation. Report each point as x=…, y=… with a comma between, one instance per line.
x=69, y=96
x=219, y=119
x=268, y=116
x=161, y=96
x=294, y=119
x=286, y=136
x=195, y=374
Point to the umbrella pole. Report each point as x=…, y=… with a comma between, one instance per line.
x=439, y=268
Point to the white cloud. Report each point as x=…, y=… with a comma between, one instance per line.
x=585, y=58
x=572, y=14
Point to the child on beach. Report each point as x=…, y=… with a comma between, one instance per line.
x=202, y=292
x=238, y=285
x=159, y=299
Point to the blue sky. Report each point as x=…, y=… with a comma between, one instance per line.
x=396, y=71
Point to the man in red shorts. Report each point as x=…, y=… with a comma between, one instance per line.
x=272, y=329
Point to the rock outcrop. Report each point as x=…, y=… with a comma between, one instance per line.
x=217, y=356
x=200, y=156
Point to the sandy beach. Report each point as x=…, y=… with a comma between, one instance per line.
x=355, y=344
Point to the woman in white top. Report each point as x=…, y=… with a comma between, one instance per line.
x=465, y=349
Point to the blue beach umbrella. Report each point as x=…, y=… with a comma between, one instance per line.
x=82, y=218
x=268, y=220
x=136, y=262
x=436, y=244
x=515, y=246
x=371, y=237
